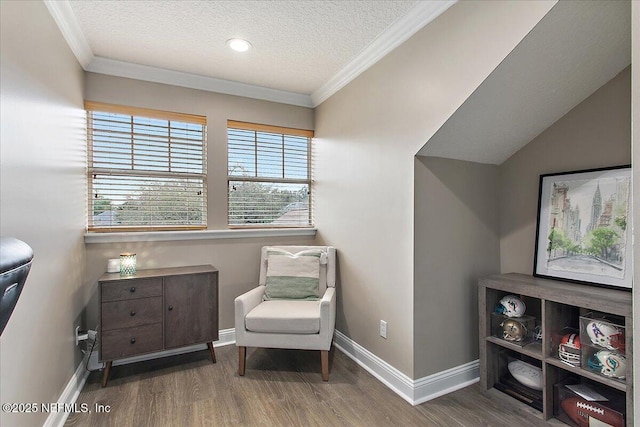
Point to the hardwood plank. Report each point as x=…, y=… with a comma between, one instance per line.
x=280, y=388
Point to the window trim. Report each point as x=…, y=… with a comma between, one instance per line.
x=93, y=106
x=166, y=236
x=257, y=127
x=269, y=128
x=144, y=112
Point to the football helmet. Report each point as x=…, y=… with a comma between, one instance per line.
x=609, y=363
x=512, y=330
x=511, y=306
x=605, y=335
x=569, y=349
x=537, y=333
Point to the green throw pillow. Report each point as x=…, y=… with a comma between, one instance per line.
x=293, y=276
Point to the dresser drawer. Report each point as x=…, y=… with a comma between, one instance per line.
x=129, y=289
x=120, y=343
x=130, y=313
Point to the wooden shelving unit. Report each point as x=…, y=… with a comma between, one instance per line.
x=555, y=305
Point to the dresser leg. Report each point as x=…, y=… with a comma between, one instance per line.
x=105, y=374
x=212, y=351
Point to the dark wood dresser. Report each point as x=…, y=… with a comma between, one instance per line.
x=157, y=310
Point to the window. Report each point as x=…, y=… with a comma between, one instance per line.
x=269, y=176
x=146, y=168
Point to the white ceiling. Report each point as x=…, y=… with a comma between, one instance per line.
x=574, y=50
x=302, y=50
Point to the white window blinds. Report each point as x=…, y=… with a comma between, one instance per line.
x=146, y=168
x=269, y=175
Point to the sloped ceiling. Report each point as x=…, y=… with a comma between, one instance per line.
x=574, y=50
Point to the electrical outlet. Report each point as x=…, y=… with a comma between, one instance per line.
x=383, y=329
x=80, y=336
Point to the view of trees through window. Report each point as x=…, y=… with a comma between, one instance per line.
x=168, y=203
x=268, y=203
x=268, y=178
x=145, y=171
x=150, y=172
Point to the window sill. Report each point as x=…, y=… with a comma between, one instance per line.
x=160, y=236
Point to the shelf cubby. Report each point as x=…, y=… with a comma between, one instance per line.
x=557, y=306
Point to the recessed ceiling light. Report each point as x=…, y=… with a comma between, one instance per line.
x=238, y=45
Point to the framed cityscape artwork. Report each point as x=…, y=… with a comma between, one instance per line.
x=584, y=228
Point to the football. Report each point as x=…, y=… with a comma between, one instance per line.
x=526, y=374
x=582, y=411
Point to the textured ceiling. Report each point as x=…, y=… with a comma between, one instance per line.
x=297, y=45
x=574, y=50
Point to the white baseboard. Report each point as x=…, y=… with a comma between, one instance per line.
x=445, y=382
x=387, y=374
x=74, y=386
x=69, y=395
x=413, y=391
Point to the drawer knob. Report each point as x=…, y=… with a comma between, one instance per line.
x=133, y=289
x=170, y=307
x=133, y=313
x=133, y=340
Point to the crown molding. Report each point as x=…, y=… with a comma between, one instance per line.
x=130, y=70
x=66, y=20
x=400, y=31
x=64, y=17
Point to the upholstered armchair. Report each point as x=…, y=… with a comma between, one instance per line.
x=294, y=305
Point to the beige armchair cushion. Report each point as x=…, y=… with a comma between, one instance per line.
x=285, y=317
x=293, y=275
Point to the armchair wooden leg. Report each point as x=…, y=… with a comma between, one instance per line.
x=324, y=357
x=242, y=356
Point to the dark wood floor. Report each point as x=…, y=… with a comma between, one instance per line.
x=281, y=388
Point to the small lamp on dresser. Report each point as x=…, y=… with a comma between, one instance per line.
x=127, y=264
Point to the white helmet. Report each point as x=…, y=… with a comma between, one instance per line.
x=605, y=335
x=609, y=363
x=569, y=349
x=511, y=306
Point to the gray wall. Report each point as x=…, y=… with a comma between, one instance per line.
x=596, y=133
x=236, y=259
x=238, y=262
x=367, y=135
x=459, y=237
x=456, y=243
x=43, y=187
